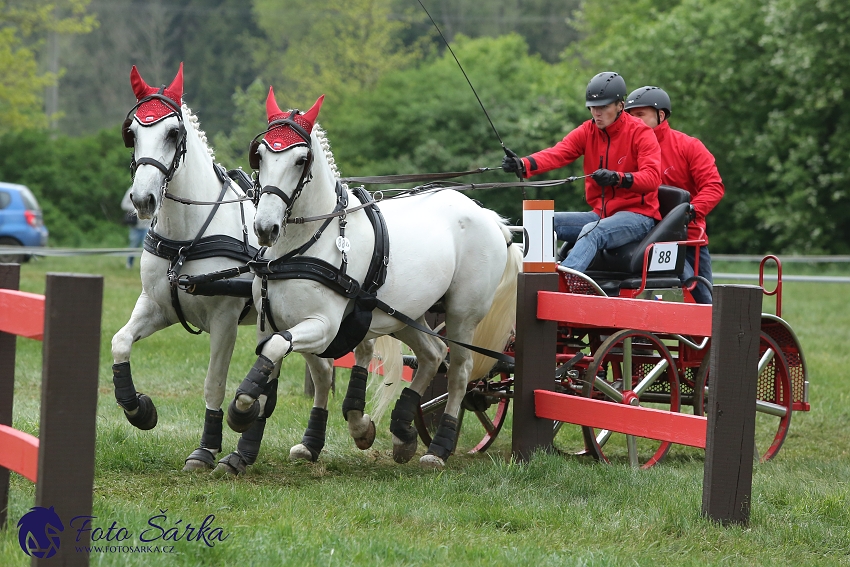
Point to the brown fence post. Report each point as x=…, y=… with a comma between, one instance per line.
x=70, y=365
x=730, y=438
x=535, y=365
x=10, y=277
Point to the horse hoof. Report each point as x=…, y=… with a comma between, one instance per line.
x=241, y=421
x=432, y=462
x=300, y=453
x=403, y=452
x=145, y=416
x=232, y=465
x=200, y=460
x=366, y=441
x=221, y=471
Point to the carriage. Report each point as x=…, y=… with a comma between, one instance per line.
x=619, y=365
x=629, y=366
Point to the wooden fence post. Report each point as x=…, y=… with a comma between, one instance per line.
x=535, y=365
x=730, y=438
x=10, y=276
x=70, y=362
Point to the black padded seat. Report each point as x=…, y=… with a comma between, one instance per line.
x=624, y=265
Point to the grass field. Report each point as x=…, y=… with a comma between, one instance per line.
x=360, y=508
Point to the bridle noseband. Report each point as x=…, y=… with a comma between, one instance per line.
x=130, y=142
x=306, y=173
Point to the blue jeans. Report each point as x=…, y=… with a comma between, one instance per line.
x=590, y=233
x=137, y=236
x=701, y=292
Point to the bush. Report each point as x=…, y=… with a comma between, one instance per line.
x=79, y=183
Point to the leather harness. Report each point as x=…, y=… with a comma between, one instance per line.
x=178, y=252
x=294, y=265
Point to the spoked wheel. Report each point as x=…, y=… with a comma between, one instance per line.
x=773, y=399
x=635, y=368
x=484, y=409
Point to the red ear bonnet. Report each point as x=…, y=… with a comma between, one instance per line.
x=153, y=111
x=283, y=136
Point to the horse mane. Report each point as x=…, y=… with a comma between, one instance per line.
x=321, y=135
x=191, y=118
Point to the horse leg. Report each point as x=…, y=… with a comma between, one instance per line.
x=248, y=446
x=308, y=335
x=223, y=330
x=445, y=439
x=313, y=441
x=147, y=318
x=360, y=425
x=430, y=352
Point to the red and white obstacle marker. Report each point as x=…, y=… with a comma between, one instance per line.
x=727, y=433
x=61, y=460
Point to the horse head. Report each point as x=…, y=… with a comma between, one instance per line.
x=284, y=155
x=155, y=130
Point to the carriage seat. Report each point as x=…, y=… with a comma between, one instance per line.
x=622, y=267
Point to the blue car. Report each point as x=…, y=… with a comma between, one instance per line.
x=21, y=222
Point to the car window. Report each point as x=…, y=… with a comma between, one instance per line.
x=29, y=200
x=5, y=199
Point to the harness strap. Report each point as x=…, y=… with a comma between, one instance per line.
x=320, y=271
x=213, y=246
x=500, y=356
x=177, y=263
x=275, y=190
x=377, y=273
x=150, y=161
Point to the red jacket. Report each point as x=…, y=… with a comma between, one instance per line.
x=628, y=146
x=686, y=163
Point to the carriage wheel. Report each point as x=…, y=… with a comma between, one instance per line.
x=773, y=398
x=484, y=407
x=632, y=367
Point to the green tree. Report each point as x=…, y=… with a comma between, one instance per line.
x=761, y=84
x=806, y=138
x=79, y=182
x=327, y=46
x=249, y=119
x=426, y=119
x=23, y=29
x=546, y=25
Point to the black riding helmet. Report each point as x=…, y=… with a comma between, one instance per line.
x=650, y=96
x=605, y=88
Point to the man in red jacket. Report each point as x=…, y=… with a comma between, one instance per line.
x=685, y=163
x=623, y=162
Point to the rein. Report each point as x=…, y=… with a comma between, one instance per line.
x=290, y=267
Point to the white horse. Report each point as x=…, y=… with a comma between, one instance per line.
x=173, y=172
x=442, y=247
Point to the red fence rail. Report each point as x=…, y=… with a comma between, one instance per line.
x=733, y=323
x=61, y=460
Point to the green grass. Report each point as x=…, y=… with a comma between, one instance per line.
x=360, y=508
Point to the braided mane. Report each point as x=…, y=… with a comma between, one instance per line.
x=326, y=146
x=191, y=118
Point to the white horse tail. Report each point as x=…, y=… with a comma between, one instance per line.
x=385, y=381
x=495, y=328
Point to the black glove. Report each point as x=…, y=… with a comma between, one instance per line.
x=513, y=164
x=606, y=177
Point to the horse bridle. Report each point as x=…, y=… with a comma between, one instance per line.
x=306, y=173
x=130, y=141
